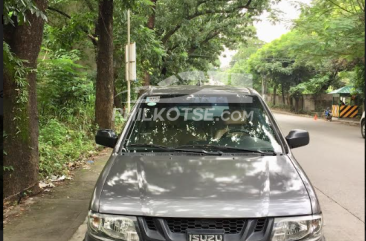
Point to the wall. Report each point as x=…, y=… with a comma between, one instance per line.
x=306, y=102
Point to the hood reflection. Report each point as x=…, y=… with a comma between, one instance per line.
x=206, y=186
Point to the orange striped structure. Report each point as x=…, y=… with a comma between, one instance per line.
x=349, y=111
x=335, y=110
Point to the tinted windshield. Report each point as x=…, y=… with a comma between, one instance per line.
x=199, y=120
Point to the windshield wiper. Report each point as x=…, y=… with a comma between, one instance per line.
x=171, y=148
x=149, y=146
x=195, y=150
x=229, y=148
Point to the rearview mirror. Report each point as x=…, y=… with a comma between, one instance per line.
x=297, y=138
x=106, y=138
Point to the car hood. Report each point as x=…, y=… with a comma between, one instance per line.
x=203, y=186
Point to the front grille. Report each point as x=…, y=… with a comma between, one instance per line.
x=260, y=225
x=150, y=223
x=180, y=225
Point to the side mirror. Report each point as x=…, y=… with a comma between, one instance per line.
x=106, y=138
x=297, y=138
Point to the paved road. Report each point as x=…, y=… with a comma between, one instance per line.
x=334, y=162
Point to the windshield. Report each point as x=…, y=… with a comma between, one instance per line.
x=206, y=122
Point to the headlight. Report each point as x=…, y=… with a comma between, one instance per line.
x=307, y=228
x=112, y=226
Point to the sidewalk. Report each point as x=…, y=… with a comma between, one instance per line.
x=346, y=121
x=57, y=215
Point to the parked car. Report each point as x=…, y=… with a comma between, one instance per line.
x=203, y=163
x=362, y=122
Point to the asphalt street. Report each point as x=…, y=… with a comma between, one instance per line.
x=334, y=162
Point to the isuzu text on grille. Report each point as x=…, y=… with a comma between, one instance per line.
x=204, y=237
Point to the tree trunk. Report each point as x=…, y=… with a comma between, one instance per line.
x=146, y=79
x=283, y=95
x=118, y=101
x=105, y=81
x=296, y=104
x=151, y=20
x=274, y=94
x=21, y=119
x=150, y=25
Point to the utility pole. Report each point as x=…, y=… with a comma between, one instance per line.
x=262, y=87
x=130, y=63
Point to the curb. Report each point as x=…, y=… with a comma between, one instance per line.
x=350, y=123
x=290, y=113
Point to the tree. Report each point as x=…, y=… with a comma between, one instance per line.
x=194, y=32
x=151, y=25
x=334, y=31
x=22, y=43
x=326, y=40
x=105, y=81
x=239, y=63
x=245, y=50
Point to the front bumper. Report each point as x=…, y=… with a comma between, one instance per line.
x=248, y=234
x=90, y=238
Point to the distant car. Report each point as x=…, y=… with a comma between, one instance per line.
x=363, y=124
x=203, y=164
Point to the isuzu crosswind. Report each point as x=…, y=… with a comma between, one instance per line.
x=203, y=163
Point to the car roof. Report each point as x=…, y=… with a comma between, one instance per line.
x=204, y=89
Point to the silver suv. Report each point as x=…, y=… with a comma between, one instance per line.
x=203, y=164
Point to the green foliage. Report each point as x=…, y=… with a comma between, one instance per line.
x=313, y=86
x=332, y=30
x=8, y=168
x=64, y=88
x=245, y=50
x=66, y=106
x=326, y=40
x=150, y=50
x=275, y=63
x=18, y=9
x=60, y=144
x=14, y=68
x=66, y=33
x=359, y=82
x=324, y=49
x=195, y=32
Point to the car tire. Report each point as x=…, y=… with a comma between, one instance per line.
x=363, y=128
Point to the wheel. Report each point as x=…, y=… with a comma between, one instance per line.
x=363, y=128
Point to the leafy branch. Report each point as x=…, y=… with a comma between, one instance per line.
x=93, y=38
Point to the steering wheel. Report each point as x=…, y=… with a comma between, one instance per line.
x=237, y=130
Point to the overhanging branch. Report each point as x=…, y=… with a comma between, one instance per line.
x=207, y=12
x=90, y=36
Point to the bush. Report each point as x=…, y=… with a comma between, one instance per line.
x=59, y=145
x=66, y=105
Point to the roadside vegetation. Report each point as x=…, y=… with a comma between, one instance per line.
x=324, y=50
x=64, y=65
